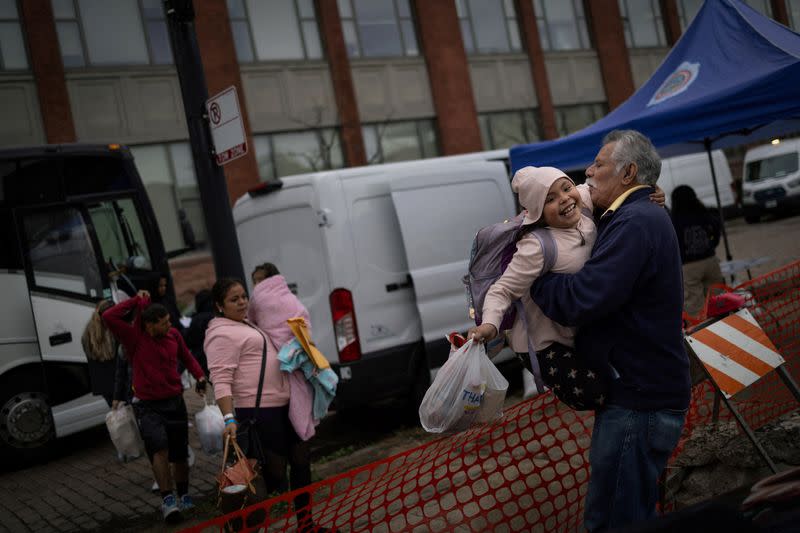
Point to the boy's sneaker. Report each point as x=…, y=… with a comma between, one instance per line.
x=170, y=509
x=185, y=502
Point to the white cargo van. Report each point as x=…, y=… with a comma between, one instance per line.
x=377, y=254
x=771, y=179
x=694, y=170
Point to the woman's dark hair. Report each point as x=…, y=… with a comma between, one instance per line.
x=220, y=290
x=153, y=313
x=268, y=269
x=685, y=201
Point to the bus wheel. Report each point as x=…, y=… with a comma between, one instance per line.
x=26, y=422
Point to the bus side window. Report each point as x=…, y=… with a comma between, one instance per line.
x=61, y=253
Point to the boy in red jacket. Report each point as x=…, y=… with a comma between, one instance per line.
x=153, y=347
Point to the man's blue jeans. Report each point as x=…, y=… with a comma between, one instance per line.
x=629, y=451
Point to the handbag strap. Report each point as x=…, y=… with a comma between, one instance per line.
x=224, y=464
x=263, y=367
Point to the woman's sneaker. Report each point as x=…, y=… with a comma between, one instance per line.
x=170, y=509
x=185, y=502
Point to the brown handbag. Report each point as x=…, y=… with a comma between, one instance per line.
x=236, y=480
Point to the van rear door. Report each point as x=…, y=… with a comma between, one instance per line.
x=439, y=211
x=284, y=228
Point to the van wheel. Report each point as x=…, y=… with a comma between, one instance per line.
x=26, y=421
x=752, y=218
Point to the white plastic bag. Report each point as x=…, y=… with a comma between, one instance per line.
x=467, y=390
x=210, y=425
x=124, y=431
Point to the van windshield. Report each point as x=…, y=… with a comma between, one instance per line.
x=771, y=167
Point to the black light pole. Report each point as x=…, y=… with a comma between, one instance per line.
x=210, y=178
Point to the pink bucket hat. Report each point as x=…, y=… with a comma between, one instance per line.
x=532, y=185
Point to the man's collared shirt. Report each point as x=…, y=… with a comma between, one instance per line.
x=621, y=199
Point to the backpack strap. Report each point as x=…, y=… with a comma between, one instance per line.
x=550, y=254
x=549, y=248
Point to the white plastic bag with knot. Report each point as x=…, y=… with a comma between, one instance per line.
x=210, y=426
x=467, y=390
x=124, y=432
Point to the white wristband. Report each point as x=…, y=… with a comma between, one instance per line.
x=227, y=416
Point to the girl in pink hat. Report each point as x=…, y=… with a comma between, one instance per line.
x=552, y=201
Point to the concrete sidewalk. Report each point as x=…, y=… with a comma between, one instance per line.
x=89, y=488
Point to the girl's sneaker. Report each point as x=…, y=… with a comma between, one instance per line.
x=185, y=502
x=170, y=509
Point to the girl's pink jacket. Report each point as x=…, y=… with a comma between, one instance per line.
x=271, y=305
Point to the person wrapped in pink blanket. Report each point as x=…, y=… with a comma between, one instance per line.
x=273, y=303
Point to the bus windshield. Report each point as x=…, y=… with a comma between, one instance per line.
x=120, y=234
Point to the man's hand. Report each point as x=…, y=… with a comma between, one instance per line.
x=143, y=294
x=200, y=386
x=658, y=196
x=482, y=333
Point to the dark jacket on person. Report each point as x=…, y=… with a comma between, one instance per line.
x=626, y=302
x=698, y=234
x=101, y=373
x=123, y=388
x=195, y=334
x=154, y=361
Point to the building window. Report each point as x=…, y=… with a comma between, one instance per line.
x=101, y=33
x=378, y=28
x=168, y=175
x=793, y=6
x=570, y=119
x=562, y=25
x=155, y=24
x=286, y=154
x=644, y=27
x=13, y=55
x=508, y=128
x=488, y=26
x=762, y=6
x=687, y=10
x=275, y=30
x=400, y=141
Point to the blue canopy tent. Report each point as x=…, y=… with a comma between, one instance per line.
x=732, y=78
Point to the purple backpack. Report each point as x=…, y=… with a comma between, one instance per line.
x=492, y=250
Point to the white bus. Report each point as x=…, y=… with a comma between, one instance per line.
x=69, y=215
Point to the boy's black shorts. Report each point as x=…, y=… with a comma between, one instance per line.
x=164, y=426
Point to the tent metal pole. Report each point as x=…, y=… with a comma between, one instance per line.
x=707, y=144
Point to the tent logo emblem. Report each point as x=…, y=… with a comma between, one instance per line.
x=676, y=83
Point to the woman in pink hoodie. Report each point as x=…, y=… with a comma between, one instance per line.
x=273, y=303
x=235, y=349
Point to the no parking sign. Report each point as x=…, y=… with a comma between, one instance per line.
x=227, y=129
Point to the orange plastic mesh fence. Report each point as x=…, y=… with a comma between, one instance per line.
x=528, y=472
x=774, y=301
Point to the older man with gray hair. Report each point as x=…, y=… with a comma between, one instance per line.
x=627, y=302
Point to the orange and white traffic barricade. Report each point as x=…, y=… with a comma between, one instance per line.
x=735, y=352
